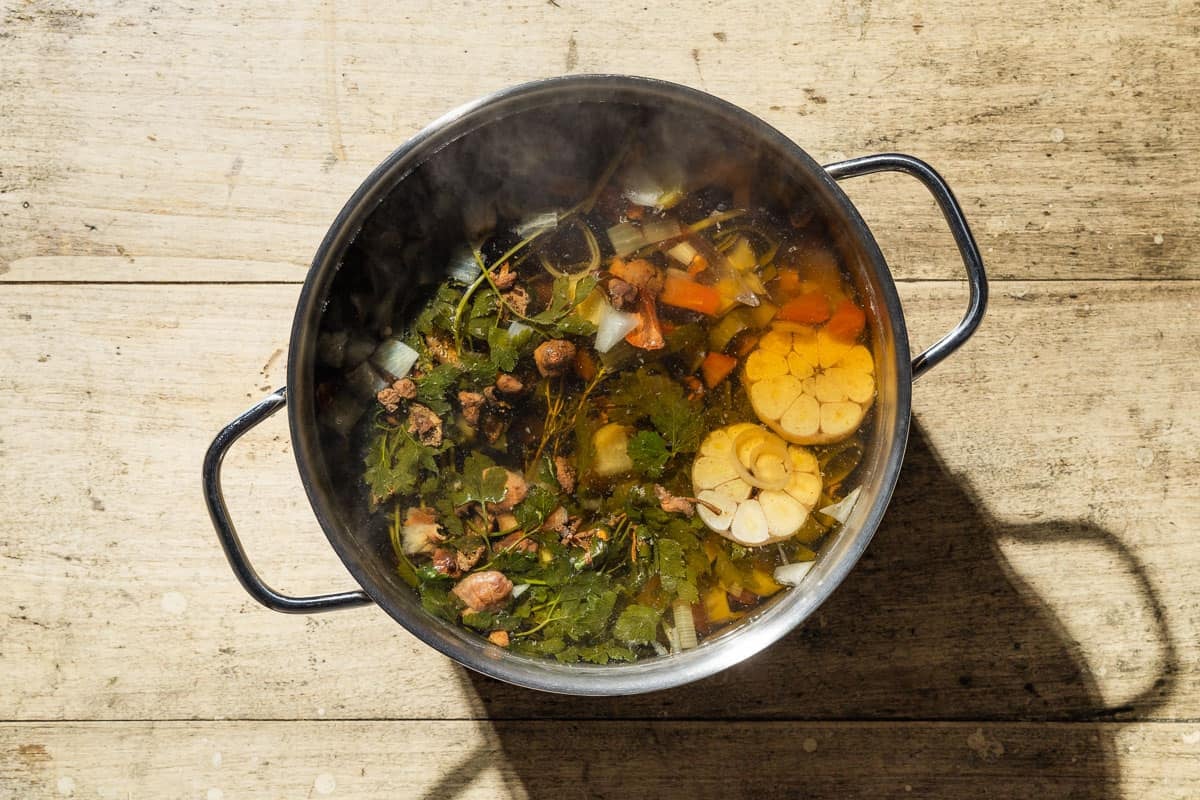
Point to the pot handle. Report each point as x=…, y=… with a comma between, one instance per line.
x=219, y=513
x=976, y=278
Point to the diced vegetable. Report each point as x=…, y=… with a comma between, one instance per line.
x=761, y=317
x=625, y=237
x=463, y=266
x=660, y=187
x=685, y=624
x=660, y=230
x=682, y=292
x=395, y=358
x=611, y=446
x=741, y=255
x=716, y=606
x=759, y=582
x=716, y=367
x=683, y=252
x=809, y=308
x=847, y=322
x=537, y=223
x=721, y=334
x=792, y=574
x=841, y=509
x=612, y=326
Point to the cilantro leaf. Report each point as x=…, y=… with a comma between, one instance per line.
x=434, y=385
x=394, y=463
x=502, y=350
x=649, y=453
x=637, y=624
x=438, y=315
x=481, y=481
x=537, y=505
x=601, y=653
x=673, y=570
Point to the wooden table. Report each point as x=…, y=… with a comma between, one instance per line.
x=1022, y=625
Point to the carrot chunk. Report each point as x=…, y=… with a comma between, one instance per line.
x=716, y=367
x=809, y=308
x=847, y=322
x=683, y=293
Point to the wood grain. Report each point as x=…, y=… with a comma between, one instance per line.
x=1037, y=473
x=1025, y=622
x=157, y=134
x=425, y=759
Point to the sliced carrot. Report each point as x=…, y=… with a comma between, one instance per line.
x=809, y=308
x=847, y=322
x=716, y=367
x=698, y=265
x=683, y=293
x=788, y=283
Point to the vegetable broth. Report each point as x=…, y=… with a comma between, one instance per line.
x=620, y=424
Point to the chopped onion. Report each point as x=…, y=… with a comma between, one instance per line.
x=659, y=649
x=463, y=266
x=395, y=358
x=841, y=509
x=613, y=326
x=685, y=624
x=519, y=590
x=365, y=382
x=536, y=224
x=792, y=574
x=661, y=188
x=659, y=230
x=683, y=252
x=625, y=238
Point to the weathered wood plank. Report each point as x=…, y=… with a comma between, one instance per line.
x=167, y=133
x=598, y=759
x=1038, y=560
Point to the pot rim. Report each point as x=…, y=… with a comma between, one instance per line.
x=468, y=648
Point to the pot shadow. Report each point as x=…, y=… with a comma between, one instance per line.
x=933, y=670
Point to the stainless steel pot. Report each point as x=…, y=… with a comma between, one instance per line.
x=369, y=561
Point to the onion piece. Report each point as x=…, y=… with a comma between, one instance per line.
x=519, y=590
x=463, y=266
x=625, y=237
x=659, y=230
x=685, y=624
x=841, y=509
x=661, y=188
x=775, y=447
x=613, y=326
x=395, y=358
x=792, y=574
x=684, y=253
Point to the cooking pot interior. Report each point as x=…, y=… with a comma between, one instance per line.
x=497, y=164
